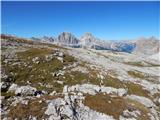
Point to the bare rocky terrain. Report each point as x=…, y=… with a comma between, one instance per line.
x=41, y=80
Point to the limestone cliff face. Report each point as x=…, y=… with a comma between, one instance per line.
x=147, y=46
x=87, y=40
x=67, y=38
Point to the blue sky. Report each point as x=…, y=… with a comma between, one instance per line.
x=106, y=20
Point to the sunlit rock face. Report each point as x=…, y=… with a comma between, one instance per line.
x=148, y=46
x=87, y=40
x=48, y=39
x=67, y=38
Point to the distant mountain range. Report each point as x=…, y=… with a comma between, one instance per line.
x=147, y=46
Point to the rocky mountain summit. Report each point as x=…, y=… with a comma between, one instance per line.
x=48, y=39
x=68, y=39
x=147, y=46
x=45, y=81
x=88, y=40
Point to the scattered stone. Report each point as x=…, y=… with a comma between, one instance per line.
x=32, y=118
x=60, y=54
x=60, y=59
x=7, y=77
x=52, y=107
x=24, y=102
x=4, y=86
x=60, y=72
x=145, y=101
x=53, y=74
x=123, y=118
x=49, y=57
x=60, y=82
x=52, y=93
x=131, y=114
x=2, y=97
x=80, y=69
x=36, y=60
x=49, y=86
x=94, y=89
x=28, y=82
x=13, y=87
x=100, y=76
x=25, y=90
x=40, y=101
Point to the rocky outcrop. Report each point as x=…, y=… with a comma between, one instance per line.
x=48, y=39
x=148, y=46
x=94, y=89
x=87, y=40
x=67, y=39
x=25, y=90
x=145, y=101
x=72, y=108
x=35, y=39
x=4, y=86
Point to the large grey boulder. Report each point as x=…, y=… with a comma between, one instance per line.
x=25, y=90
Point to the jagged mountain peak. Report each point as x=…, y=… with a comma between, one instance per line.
x=141, y=45
x=48, y=39
x=67, y=38
x=88, y=36
x=66, y=33
x=87, y=40
x=147, y=46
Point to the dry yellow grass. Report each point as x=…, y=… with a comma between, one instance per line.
x=137, y=74
x=34, y=108
x=115, y=105
x=106, y=104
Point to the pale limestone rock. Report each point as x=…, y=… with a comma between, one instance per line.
x=13, y=87
x=25, y=90
x=145, y=101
